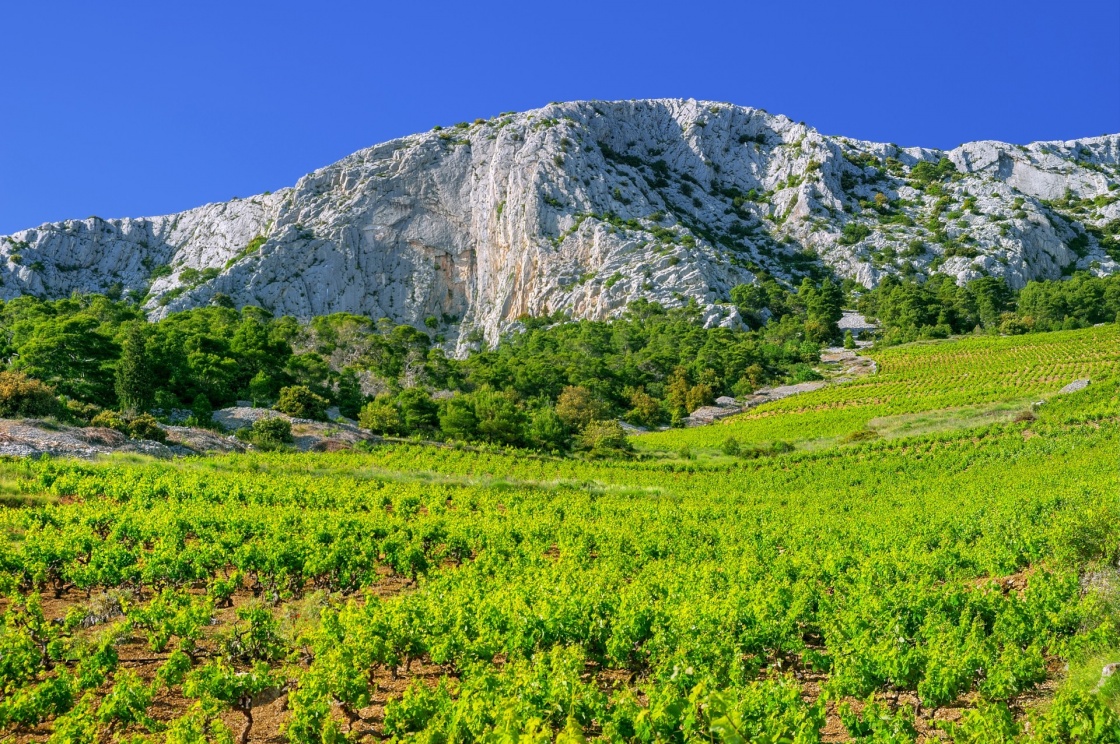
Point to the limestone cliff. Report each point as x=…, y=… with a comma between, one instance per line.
x=586, y=206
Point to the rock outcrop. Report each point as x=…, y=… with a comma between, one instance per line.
x=34, y=438
x=584, y=207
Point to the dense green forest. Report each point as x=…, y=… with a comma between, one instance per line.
x=541, y=387
x=554, y=384
x=909, y=310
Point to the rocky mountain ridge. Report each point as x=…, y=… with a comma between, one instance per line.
x=586, y=206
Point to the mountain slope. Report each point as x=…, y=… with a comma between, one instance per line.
x=587, y=206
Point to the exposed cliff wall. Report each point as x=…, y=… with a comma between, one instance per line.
x=585, y=207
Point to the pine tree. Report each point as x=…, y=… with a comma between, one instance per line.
x=134, y=381
x=822, y=309
x=262, y=389
x=201, y=411
x=831, y=301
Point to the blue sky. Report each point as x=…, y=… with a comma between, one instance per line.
x=141, y=108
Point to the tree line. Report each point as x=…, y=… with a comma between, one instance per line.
x=553, y=384
x=909, y=310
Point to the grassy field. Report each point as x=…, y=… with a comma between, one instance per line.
x=953, y=579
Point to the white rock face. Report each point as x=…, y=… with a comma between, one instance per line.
x=584, y=207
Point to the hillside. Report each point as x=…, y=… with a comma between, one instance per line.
x=922, y=387
x=584, y=207
x=954, y=586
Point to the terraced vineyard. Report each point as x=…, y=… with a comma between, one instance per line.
x=967, y=376
x=955, y=586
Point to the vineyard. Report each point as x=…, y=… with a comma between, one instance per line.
x=966, y=374
x=956, y=586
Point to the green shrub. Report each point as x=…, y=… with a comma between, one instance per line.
x=803, y=373
x=79, y=411
x=253, y=246
x=110, y=420
x=145, y=426
x=273, y=429
x=962, y=251
x=23, y=397
x=298, y=401
x=604, y=439
x=171, y=295
x=914, y=248
x=380, y=415
x=142, y=426
x=852, y=233
x=270, y=433
x=926, y=173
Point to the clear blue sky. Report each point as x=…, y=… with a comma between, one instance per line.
x=140, y=108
